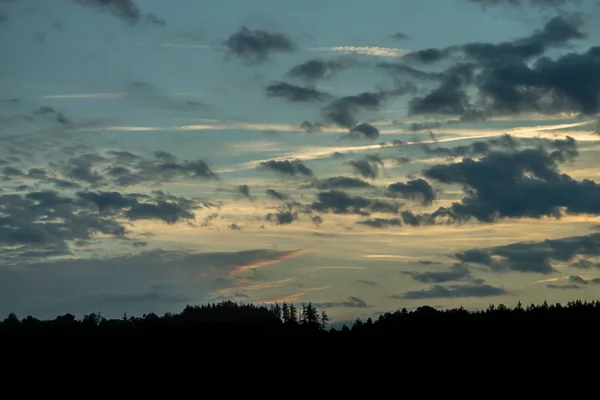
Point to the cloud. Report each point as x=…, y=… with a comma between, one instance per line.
x=244, y=190
x=294, y=93
x=365, y=282
x=149, y=281
x=45, y=110
x=520, y=3
x=368, y=167
x=45, y=223
x=343, y=111
x=364, y=130
x=168, y=212
x=126, y=10
x=255, y=46
x=400, y=36
x=381, y=222
x=417, y=189
x=564, y=287
x=352, y=302
x=508, y=82
x=454, y=291
x=456, y=273
x=577, y=279
x=317, y=69
x=149, y=95
x=340, y=202
x=276, y=195
x=338, y=182
x=450, y=97
x=524, y=183
x=286, y=167
x=537, y=257
x=283, y=217
x=547, y=86
x=364, y=50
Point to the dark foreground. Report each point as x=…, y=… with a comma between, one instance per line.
x=229, y=318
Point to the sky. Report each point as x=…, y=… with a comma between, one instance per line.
x=362, y=156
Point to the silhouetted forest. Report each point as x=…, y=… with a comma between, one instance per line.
x=286, y=319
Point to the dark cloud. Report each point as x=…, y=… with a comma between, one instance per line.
x=311, y=127
x=11, y=172
x=427, y=56
x=381, y=222
x=277, y=195
x=163, y=168
x=421, y=126
x=455, y=273
x=165, y=207
x=283, y=217
x=524, y=183
x=417, y=189
x=402, y=69
x=148, y=95
x=114, y=201
x=450, y=97
x=45, y=223
x=344, y=111
x=353, y=302
x=475, y=149
x=577, y=279
x=244, y=190
x=368, y=167
x=563, y=287
x=317, y=69
x=402, y=160
x=557, y=32
x=454, y=291
x=256, y=45
x=339, y=202
x=364, y=130
x=126, y=10
x=365, y=282
x=169, y=212
x=294, y=93
x=400, y=36
x=45, y=110
x=536, y=257
x=507, y=80
x=286, y=167
x=570, y=83
x=338, y=182
x=520, y=3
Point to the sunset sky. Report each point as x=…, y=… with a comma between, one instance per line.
x=363, y=156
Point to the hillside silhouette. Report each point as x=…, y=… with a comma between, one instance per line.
x=228, y=317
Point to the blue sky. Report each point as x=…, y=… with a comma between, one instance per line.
x=156, y=154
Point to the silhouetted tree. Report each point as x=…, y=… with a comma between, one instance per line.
x=324, y=320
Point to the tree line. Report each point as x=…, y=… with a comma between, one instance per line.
x=229, y=317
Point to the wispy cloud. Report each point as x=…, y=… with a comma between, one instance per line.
x=95, y=96
x=268, y=261
x=364, y=50
x=258, y=286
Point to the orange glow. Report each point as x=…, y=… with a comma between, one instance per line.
x=257, y=286
x=262, y=263
x=288, y=298
x=319, y=288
